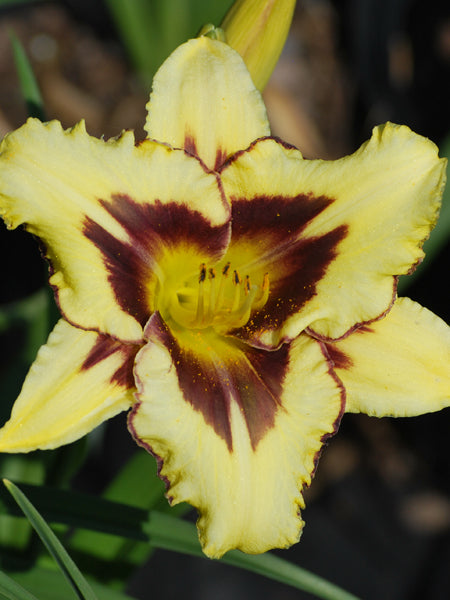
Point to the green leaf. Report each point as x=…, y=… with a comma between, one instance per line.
x=12, y=590
x=136, y=483
x=81, y=510
x=151, y=30
x=276, y=568
x=30, y=319
x=140, y=35
x=15, y=533
x=53, y=545
x=63, y=463
x=49, y=584
x=170, y=533
x=28, y=83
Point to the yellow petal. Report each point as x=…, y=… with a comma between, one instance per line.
x=268, y=244
x=204, y=100
x=78, y=380
x=378, y=205
x=99, y=208
x=398, y=366
x=238, y=431
x=258, y=30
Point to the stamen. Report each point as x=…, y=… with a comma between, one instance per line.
x=202, y=275
x=237, y=292
x=212, y=295
x=216, y=304
x=263, y=297
x=242, y=315
x=247, y=285
x=219, y=300
x=201, y=292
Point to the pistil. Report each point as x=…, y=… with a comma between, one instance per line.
x=220, y=295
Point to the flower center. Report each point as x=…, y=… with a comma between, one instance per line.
x=225, y=301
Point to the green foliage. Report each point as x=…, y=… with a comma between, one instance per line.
x=151, y=29
x=12, y=590
x=48, y=584
x=69, y=569
x=137, y=484
x=157, y=529
x=28, y=83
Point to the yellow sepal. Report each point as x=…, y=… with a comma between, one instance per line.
x=398, y=366
x=76, y=382
x=204, y=100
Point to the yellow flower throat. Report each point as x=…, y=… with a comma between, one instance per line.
x=225, y=302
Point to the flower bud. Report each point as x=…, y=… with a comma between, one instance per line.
x=257, y=29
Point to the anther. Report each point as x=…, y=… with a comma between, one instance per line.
x=219, y=302
x=247, y=285
x=200, y=299
x=237, y=292
x=212, y=294
x=264, y=295
x=202, y=275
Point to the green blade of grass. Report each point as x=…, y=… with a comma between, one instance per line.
x=47, y=582
x=12, y=590
x=81, y=510
x=137, y=483
x=79, y=585
x=140, y=34
x=152, y=29
x=15, y=534
x=174, y=17
x=276, y=568
x=170, y=533
x=28, y=83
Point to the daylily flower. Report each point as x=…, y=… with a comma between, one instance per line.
x=233, y=294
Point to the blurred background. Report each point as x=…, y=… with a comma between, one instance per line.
x=378, y=512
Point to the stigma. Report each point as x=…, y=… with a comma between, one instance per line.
x=224, y=300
